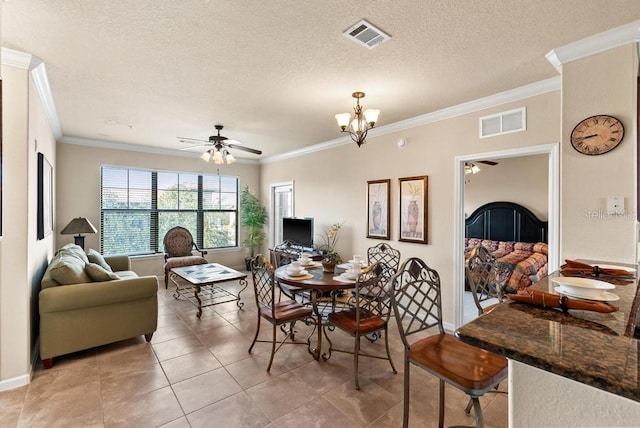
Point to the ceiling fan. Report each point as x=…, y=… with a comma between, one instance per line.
x=472, y=168
x=218, y=147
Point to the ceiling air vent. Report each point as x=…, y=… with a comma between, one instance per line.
x=503, y=123
x=366, y=34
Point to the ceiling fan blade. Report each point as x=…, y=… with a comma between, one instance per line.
x=187, y=140
x=486, y=162
x=246, y=149
x=196, y=146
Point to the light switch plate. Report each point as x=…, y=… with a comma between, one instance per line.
x=615, y=205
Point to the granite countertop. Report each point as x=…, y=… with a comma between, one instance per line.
x=596, y=349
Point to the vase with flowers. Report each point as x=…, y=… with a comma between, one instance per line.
x=331, y=257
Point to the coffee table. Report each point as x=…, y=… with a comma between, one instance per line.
x=204, y=281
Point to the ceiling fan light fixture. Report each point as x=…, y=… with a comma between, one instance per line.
x=229, y=158
x=471, y=168
x=361, y=123
x=217, y=158
x=206, y=156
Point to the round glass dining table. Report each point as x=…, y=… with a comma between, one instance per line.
x=325, y=291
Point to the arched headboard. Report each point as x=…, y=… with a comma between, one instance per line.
x=505, y=221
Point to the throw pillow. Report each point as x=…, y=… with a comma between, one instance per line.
x=96, y=257
x=98, y=273
x=68, y=269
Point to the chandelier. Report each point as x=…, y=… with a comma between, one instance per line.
x=361, y=123
x=219, y=156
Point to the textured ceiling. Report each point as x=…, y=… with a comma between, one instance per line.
x=276, y=72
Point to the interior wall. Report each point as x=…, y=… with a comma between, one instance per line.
x=331, y=185
x=22, y=257
x=78, y=179
x=40, y=139
x=523, y=180
x=605, y=83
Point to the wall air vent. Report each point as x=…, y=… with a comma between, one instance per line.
x=503, y=123
x=366, y=34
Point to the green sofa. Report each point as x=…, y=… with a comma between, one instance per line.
x=87, y=301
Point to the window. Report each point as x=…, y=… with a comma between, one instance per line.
x=139, y=206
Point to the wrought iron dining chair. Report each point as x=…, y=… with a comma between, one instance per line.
x=369, y=313
x=283, y=254
x=178, y=251
x=483, y=275
x=417, y=305
x=387, y=256
x=282, y=314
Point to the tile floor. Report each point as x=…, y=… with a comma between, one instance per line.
x=197, y=373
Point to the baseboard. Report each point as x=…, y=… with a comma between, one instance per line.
x=15, y=382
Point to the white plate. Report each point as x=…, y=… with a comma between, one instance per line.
x=348, y=275
x=628, y=269
x=299, y=273
x=307, y=264
x=585, y=288
x=362, y=262
x=604, y=296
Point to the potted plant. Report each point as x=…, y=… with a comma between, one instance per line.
x=253, y=217
x=331, y=257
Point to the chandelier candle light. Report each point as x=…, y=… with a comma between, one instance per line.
x=361, y=123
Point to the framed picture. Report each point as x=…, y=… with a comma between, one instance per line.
x=413, y=209
x=45, y=197
x=378, y=224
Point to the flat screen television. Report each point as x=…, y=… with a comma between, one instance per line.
x=298, y=230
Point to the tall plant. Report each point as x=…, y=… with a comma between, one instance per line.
x=253, y=217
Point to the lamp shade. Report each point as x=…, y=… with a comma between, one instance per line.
x=78, y=225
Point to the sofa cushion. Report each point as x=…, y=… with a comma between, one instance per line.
x=96, y=257
x=75, y=251
x=98, y=273
x=126, y=274
x=68, y=269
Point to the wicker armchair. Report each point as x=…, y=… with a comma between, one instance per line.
x=178, y=251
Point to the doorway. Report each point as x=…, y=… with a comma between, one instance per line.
x=281, y=206
x=552, y=152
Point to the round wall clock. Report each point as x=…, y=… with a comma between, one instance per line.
x=596, y=135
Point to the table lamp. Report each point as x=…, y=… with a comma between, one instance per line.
x=78, y=225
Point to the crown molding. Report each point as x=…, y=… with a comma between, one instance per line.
x=16, y=58
x=110, y=145
x=517, y=94
x=41, y=82
x=629, y=33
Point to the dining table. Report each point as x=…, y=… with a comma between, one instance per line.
x=327, y=292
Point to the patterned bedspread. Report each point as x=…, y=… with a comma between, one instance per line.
x=522, y=263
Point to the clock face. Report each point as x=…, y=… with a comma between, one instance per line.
x=596, y=135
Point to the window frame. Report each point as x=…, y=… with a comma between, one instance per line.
x=154, y=213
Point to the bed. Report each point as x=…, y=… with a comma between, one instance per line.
x=515, y=236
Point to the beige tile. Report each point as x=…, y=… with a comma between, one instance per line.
x=216, y=336
x=234, y=350
x=177, y=347
x=280, y=395
x=130, y=358
x=61, y=377
x=364, y=406
x=323, y=376
x=237, y=411
x=178, y=423
x=79, y=402
x=127, y=384
x=147, y=410
x=11, y=403
x=205, y=389
x=317, y=413
x=189, y=365
x=253, y=370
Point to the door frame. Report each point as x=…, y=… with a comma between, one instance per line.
x=553, y=194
